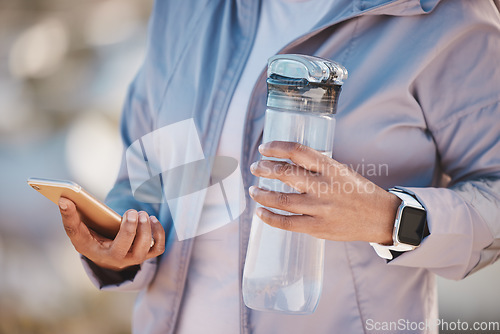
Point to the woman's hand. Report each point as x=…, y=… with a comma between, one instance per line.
x=131, y=246
x=334, y=202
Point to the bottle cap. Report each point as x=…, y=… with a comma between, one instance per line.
x=304, y=83
x=312, y=69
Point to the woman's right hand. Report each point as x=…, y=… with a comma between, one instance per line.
x=131, y=246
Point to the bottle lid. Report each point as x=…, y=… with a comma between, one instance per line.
x=312, y=69
x=304, y=83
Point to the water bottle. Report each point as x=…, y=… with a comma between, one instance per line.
x=284, y=270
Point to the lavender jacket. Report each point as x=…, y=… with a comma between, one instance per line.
x=422, y=99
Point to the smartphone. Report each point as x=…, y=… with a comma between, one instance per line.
x=95, y=214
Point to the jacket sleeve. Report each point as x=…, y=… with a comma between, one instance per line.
x=459, y=93
x=136, y=121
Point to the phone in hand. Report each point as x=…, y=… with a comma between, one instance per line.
x=95, y=214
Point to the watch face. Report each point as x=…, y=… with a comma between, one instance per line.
x=411, y=226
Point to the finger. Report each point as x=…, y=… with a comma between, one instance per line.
x=299, y=154
x=126, y=235
x=295, y=203
x=294, y=223
x=295, y=176
x=142, y=241
x=159, y=238
x=76, y=230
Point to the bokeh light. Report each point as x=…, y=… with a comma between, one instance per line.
x=93, y=152
x=39, y=50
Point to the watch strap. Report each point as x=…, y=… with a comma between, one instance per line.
x=407, y=198
x=387, y=251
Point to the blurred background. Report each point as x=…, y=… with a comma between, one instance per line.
x=64, y=70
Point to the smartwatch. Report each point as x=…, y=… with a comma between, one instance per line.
x=410, y=227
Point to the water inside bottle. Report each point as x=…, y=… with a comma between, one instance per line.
x=311, y=129
x=289, y=280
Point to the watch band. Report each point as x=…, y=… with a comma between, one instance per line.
x=387, y=252
x=410, y=200
x=390, y=252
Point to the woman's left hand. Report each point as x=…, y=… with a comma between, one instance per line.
x=334, y=202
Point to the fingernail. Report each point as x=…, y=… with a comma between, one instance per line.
x=153, y=219
x=132, y=216
x=62, y=204
x=143, y=219
x=258, y=211
x=262, y=147
x=254, y=166
x=251, y=190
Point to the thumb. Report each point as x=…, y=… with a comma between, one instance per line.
x=71, y=220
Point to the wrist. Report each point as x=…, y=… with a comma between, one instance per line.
x=388, y=208
x=108, y=276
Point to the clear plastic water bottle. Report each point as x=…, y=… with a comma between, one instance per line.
x=284, y=270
